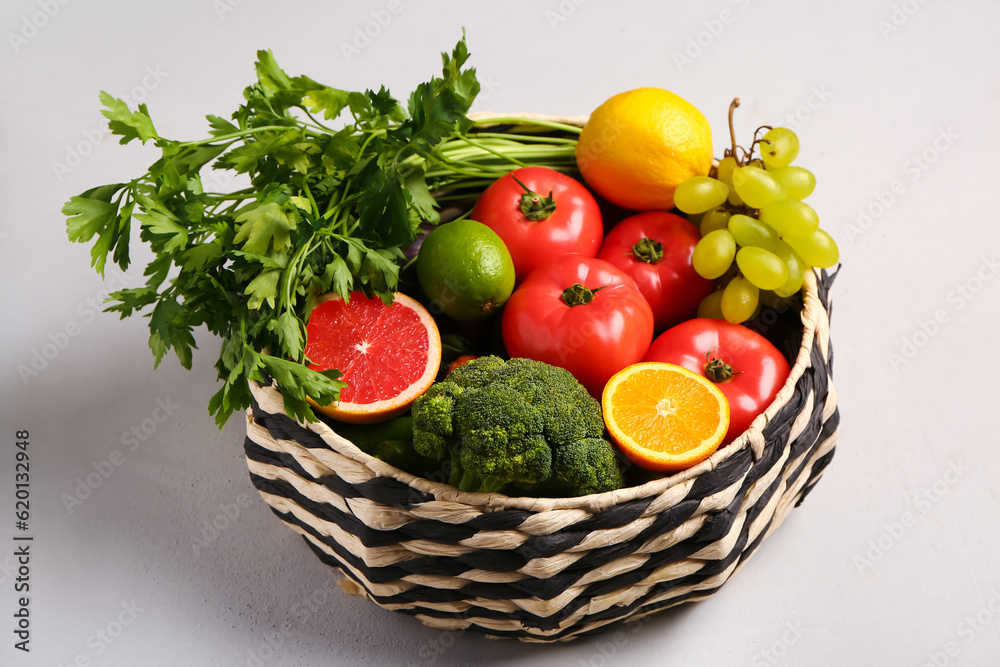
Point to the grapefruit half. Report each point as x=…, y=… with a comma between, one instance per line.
x=388, y=355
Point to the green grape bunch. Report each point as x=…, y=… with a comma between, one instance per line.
x=752, y=215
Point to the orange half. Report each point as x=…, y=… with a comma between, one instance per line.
x=388, y=355
x=664, y=417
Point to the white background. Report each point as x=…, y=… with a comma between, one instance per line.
x=889, y=562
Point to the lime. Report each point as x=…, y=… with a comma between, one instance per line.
x=465, y=269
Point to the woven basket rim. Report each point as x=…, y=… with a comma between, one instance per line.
x=813, y=315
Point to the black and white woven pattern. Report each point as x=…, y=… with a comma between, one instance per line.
x=550, y=569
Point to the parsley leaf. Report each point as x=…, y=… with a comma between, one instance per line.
x=325, y=210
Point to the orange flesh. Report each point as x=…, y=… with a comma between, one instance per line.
x=664, y=415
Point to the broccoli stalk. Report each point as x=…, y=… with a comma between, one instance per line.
x=516, y=425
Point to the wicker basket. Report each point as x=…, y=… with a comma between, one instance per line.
x=552, y=569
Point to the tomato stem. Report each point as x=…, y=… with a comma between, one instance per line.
x=647, y=250
x=534, y=206
x=578, y=295
x=716, y=369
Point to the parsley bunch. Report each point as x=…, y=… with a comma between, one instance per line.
x=327, y=209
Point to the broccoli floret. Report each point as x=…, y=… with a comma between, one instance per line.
x=581, y=468
x=519, y=423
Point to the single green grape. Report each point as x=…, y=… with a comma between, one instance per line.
x=711, y=306
x=714, y=218
x=779, y=147
x=724, y=172
x=713, y=254
x=796, y=270
x=700, y=193
x=756, y=187
x=790, y=218
x=762, y=267
x=751, y=232
x=798, y=182
x=818, y=249
x=739, y=300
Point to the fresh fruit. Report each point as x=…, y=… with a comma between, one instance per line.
x=541, y=215
x=763, y=224
x=790, y=218
x=779, y=148
x=581, y=314
x=638, y=146
x=762, y=268
x=817, y=249
x=465, y=269
x=714, y=253
x=664, y=417
x=388, y=355
x=744, y=365
x=739, y=299
x=713, y=219
x=798, y=182
x=655, y=249
x=756, y=187
x=698, y=194
x=464, y=359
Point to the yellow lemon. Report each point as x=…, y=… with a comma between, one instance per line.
x=639, y=145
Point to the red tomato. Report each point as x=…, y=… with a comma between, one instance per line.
x=582, y=314
x=655, y=248
x=756, y=369
x=464, y=359
x=552, y=215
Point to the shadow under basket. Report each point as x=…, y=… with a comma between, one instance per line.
x=553, y=569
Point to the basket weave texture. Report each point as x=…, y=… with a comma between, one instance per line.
x=550, y=569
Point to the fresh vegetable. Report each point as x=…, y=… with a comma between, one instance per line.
x=664, y=417
x=465, y=358
x=465, y=269
x=655, y=249
x=326, y=210
x=388, y=354
x=517, y=425
x=582, y=314
x=541, y=215
x=753, y=213
x=639, y=146
x=743, y=364
x=391, y=441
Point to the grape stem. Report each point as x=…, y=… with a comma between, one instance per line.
x=732, y=133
